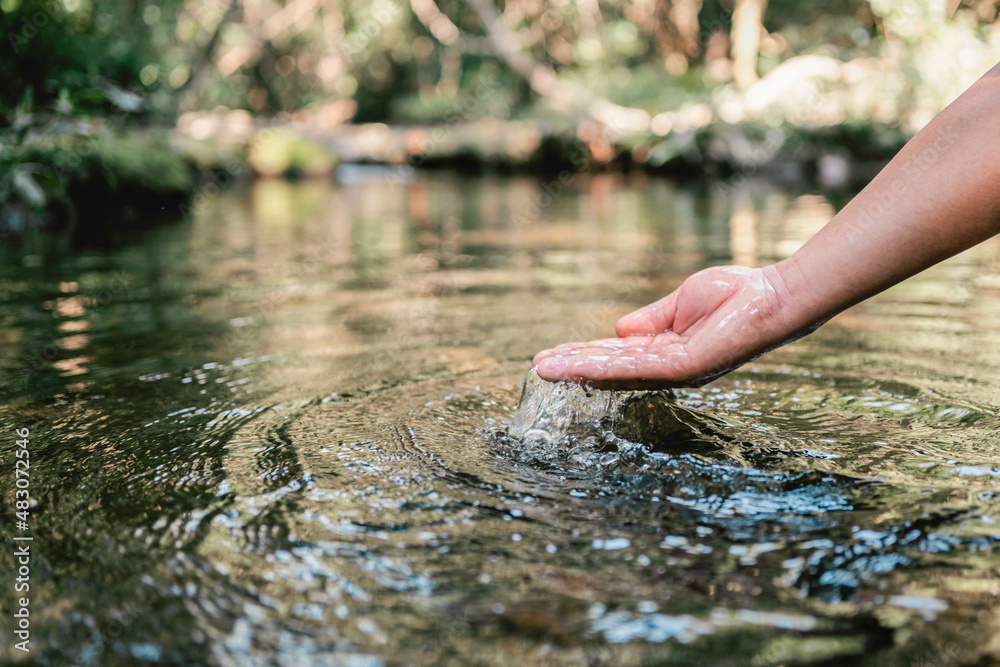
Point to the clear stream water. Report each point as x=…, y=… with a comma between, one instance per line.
x=276, y=435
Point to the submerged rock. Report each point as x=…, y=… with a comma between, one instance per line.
x=558, y=419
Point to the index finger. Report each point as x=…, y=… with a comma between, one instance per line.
x=655, y=318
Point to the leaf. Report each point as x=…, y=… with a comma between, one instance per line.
x=125, y=100
x=28, y=190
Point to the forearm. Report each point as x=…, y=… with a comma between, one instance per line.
x=938, y=196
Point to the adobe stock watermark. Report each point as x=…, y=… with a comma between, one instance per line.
x=597, y=319
x=43, y=353
x=361, y=38
x=581, y=161
x=31, y=25
x=214, y=181
x=246, y=327
x=73, y=149
x=22, y=540
x=422, y=331
x=486, y=86
x=760, y=156
x=69, y=156
x=898, y=187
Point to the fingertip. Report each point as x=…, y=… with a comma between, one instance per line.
x=552, y=368
x=636, y=323
x=557, y=351
x=655, y=318
x=628, y=325
x=626, y=329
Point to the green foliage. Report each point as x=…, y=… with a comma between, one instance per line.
x=645, y=86
x=424, y=62
x=88, y=60
x=141, y=162
x=281, y=152
x=131, y=59
x=484, y=90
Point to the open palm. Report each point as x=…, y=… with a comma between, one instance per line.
x=715, y=321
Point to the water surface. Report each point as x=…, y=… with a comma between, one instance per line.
x=275, y=435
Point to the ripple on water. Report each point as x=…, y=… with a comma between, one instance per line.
x=687, y=519
x=797, y=498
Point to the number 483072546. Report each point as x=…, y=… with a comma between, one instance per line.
x=22, y=495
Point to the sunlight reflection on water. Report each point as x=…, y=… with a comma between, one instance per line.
x=279, y=435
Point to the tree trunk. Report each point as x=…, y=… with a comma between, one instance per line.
x=748, y=18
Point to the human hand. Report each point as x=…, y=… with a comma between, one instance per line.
x=714, y=322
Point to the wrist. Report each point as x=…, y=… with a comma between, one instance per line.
x=801, y=308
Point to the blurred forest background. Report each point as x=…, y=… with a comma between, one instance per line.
x=677, y=85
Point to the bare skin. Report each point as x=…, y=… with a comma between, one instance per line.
x=717, y=319
x=940, y=195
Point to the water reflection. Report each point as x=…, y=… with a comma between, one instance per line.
x=274, y=435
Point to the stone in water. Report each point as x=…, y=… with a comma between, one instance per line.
x=554, y=416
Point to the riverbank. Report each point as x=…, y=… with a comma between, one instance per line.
x=796, y=126
x=80, y=176
x=693, y=146
x=99, y=183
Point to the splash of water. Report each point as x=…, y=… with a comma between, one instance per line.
x=557, y=420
